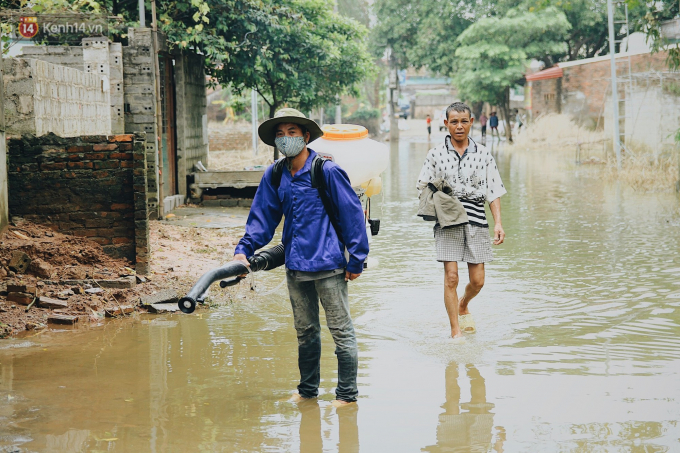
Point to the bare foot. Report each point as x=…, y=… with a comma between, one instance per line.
x=456, y=334
x=341, y=403
x=297, y=398
x=463, y=310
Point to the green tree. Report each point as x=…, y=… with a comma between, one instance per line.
x=490, y=64
x=655, y=14
x=304, y=55
x=396, y=30
x=443, y=21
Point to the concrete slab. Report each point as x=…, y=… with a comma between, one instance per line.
x=209, y=217
x=165, y=296
x=164, y=308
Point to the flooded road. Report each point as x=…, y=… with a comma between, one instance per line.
x=577, y=350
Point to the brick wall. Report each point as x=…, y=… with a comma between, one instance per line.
x=545, y=96
x=584, y=87
x=42, y=97
x=227, y=137
x=92, y=186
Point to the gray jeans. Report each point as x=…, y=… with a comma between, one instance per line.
x=304, y=297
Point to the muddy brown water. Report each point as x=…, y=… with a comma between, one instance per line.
x=578, y=346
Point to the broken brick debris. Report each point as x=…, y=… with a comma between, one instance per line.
x=21, y=298
x=19, y=262
x=119, y=310
x=14, y=287
x=47, y=302
x=57, y=318
x=41, y=268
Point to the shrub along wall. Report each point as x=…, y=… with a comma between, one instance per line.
x=92, y=186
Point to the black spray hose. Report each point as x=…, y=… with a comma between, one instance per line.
x=263, y=261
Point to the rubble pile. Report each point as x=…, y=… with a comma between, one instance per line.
x=51, y=278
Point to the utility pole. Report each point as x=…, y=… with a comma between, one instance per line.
x=253, y=114
x=338, y=109
x=615, y=94
x=142, y=18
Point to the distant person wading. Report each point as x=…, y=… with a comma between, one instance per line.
x=457, y=178
x=316, y=266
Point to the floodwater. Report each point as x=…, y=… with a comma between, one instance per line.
x=577, y=350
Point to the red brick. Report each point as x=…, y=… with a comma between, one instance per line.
x=110, y=215
x=101, y=174
x=85, y=232
x=125, y=147
x=70, y=175
x=126, y=164
x=122, y=241
x=121, y=156
x=80, y=165
x=107, y=147
x=121, y=138
x=121, y=206
x=53, y=166
x=75, y=156
x=102, y=241
x=95, y=156
x=139, y=156
x=106, y=164
x=79, y=149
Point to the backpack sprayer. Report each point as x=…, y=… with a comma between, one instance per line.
x=264, y=261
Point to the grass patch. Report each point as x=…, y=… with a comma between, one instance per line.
x=641, y=169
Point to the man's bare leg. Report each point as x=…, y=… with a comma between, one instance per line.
x=473, y=288
x=451, y=296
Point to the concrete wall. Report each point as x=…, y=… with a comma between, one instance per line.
x=92, y=186
x=41, y=97
x=652, y=113
x=97, y=56
x=192, y=119
x=69, y=56
x=140, y=102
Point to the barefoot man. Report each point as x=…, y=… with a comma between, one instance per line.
x=471, y=171
x=316, y=266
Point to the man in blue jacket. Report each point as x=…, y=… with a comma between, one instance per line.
x=316, y=264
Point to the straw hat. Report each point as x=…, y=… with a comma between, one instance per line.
x=267, y=130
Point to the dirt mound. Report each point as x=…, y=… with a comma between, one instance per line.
x=67, y=256
x=51, y=259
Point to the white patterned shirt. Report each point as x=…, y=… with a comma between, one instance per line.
x=473, y=176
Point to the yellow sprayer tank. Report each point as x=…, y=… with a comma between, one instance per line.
x=362, y=158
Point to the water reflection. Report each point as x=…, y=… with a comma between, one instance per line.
x=465, y=427
x=311, y=440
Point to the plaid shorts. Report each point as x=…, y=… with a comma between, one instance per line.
x=463, y=243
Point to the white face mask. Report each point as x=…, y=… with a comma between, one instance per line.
x=290, y=146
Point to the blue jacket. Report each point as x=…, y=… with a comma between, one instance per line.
x=309, y=239
x=493, y=121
